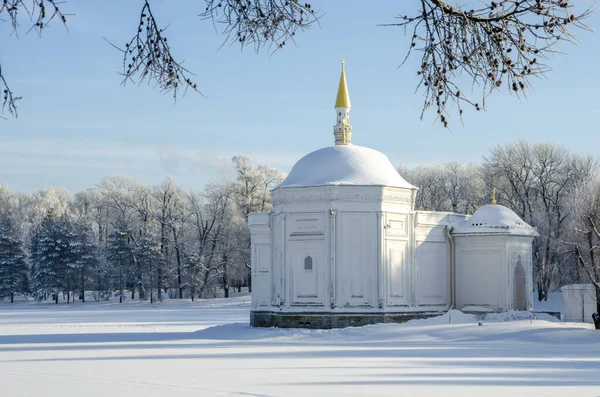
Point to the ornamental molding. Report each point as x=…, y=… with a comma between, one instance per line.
x=302, y=195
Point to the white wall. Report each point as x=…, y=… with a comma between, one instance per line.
x=357, y=259
x=398, y=258
x=480, y=276
x=307, y=236
x=261, y=259
x=481, y=271
x=579, y=302
x=432, y=259
x=433, y=274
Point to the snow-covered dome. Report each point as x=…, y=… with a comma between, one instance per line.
x=345, y=165
x=494, y=219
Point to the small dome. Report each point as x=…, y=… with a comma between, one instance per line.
x=494, y=219
x=345, y=165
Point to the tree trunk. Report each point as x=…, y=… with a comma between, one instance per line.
x=121, y=285
x=596, y=316
x=547, y=272
x=178, y=255
x=141, y=288
x=225, y=279
x=83, y=285
x=165, y=254
x=548, y=282
x=597, y=298
x=12, y=297
x=159, y=284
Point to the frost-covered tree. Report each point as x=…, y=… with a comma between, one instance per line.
x=538, y=182
x=55, y=200
x=123, y=236
x=119, y=256
x=583, y=237
x=14, y=269
x=8, y=202
x=452, y=187
x=252, y=189
x=148, y=254
x=253, y=185
x=173, y=215
x=213, y=211
x=51, y=257
x=90, y=207
x=85, y=258
x=166, y=197
x=463, y=186
x=234, y=253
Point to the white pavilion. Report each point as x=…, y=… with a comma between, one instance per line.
x=344, y=246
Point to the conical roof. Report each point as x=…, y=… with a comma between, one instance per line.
x=343, y=98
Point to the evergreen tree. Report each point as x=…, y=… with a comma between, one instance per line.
x=151, y=261
x=85, y=257
x=13, y=262
x=51, y=257
x=100, y=279
x=119, y=256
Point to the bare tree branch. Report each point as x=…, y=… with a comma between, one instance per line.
x=260, y=22
x=41, y=13
x=147, y=56
x=9, y=100
x=501, y=44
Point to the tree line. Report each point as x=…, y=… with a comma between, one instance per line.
x=126, y=239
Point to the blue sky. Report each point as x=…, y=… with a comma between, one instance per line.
x=77, y=124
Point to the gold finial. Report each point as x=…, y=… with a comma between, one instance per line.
x=343, y=99
x=493, y=196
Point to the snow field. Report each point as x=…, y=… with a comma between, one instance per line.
x=207, y=348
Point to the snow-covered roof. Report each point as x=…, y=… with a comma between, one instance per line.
x=345, y=165
x=493, y=219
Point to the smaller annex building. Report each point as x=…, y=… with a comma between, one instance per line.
x=344, y=246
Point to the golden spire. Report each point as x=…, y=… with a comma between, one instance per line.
x=343, y=99
x=494, y=196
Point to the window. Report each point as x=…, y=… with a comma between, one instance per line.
x=308, y=263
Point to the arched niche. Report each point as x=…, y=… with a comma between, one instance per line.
x=308, y=263
x=519, y=286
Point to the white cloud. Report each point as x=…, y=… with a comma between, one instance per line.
x=79, y=164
